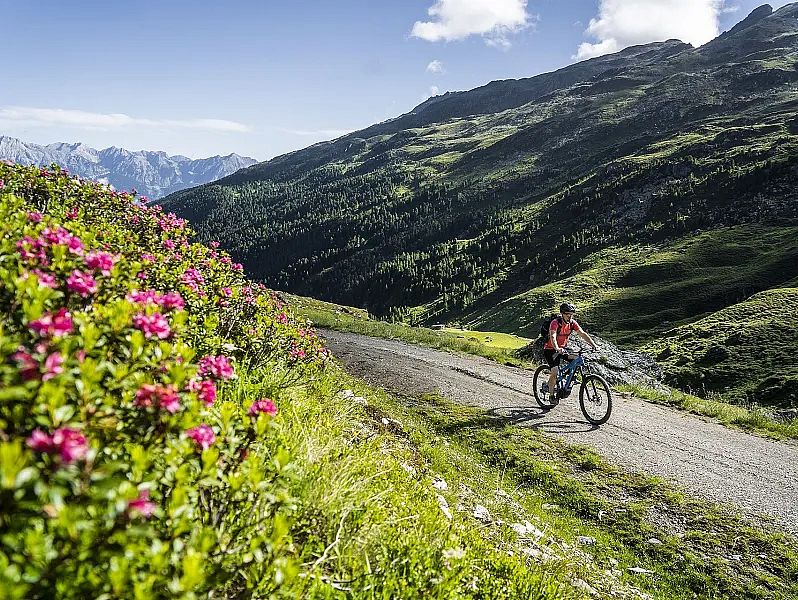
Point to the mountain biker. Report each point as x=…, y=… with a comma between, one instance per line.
x=560, y=330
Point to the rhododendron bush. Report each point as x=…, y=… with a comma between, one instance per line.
x=131, y=465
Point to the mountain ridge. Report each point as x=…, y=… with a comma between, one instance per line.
x=152, y=173
x=428, y=220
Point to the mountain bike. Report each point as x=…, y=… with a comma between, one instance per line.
x=595, y=398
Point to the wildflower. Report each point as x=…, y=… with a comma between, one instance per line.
x=154, y=325
x=81, y=283
x=30, y=249
x=218, y=367
x=53, y=324
x=282, y=318
x=171, y=300
x=203, y=435
x=297, y=353
x=72, y=214
x=28, y=367
x=45, y=279
x=214, y=244
x=67, y=442
x=205, y=390
x=100, y=261
x=227, y=292
x=141, y=275
x=35, y=217
x=142, y=505
x=53, y=365
x=169, y=244
x=264, y=406
x=147, y=257
x=238, y=267
x=165, y=397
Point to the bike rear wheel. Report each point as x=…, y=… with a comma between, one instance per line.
x=595, y=399
x=544, y=399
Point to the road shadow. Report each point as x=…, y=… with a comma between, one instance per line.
x=516, y=415
x=564, y=426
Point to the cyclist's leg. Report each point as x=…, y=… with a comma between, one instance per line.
x=553, y=360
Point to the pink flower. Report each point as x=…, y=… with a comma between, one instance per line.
x=70, y=444
x=45, y=279
x=142, y=505
x=214, y=244
x=165, y=397
x=171, y=300
x=169, y=244
x=282, y=318
x=40, y=441
x=147, y=257
x=264, y=406
x=72, y=214
x=53, y=365
x=154, y=325
x=53, y=324
x=142, y=297
x=67, y=442
x=203, y=435
x=61, y=236
x=100, y=261
x=227, y=292
x=238, y=267
x=35, y=217
x=81, y=283
x=30, y=249
x=297, y=353
x=28, y=367
x=205, y=389
x=218, y=367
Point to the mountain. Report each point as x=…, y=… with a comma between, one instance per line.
x=153, y=174
x=655, y=186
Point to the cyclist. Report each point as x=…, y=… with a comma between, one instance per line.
x=560, y=330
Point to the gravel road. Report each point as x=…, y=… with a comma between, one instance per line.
x=710, y=460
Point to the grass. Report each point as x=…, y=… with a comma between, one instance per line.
x=365, y=521
x=494, y=346
x=699, y=549
x=752, y=420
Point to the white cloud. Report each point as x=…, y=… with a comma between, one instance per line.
x=622, y=23
x=435, y=66
x=26, y=115
x=494, y=20
x=433, y=90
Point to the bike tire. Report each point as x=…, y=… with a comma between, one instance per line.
x=541, y=375
x=598, y=385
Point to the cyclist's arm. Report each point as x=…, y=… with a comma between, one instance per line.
x=586, y=336
x=553, y=338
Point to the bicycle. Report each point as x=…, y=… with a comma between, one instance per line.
x=595, y=398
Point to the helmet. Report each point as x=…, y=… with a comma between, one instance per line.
x=567, y=307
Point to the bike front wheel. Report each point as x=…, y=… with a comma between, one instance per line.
x=595, y=399
x=544, y=398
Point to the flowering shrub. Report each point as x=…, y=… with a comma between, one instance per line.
x=126, y=471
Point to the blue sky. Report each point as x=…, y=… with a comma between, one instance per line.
x=261, y=78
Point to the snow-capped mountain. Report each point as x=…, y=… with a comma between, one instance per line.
x=153, y=174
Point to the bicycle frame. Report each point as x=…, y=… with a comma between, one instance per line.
x=570, y=370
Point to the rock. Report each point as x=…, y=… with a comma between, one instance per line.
x=411, y=470
x=440, y=484
x=444, y=506
x=586, y=540
x=640, y=571
x=584, y=586
x=385, y=421
x=654, y=541
x=481, y=513
x=736, y=557
x=526, y=529
x=615, y=365
x=613, y=562
x=547, y=506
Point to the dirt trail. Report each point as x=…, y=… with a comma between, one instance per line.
x=758, y=475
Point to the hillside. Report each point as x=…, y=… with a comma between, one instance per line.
x=475, y=201
x=153, y=174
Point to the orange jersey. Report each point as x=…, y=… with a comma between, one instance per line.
x=563, y=333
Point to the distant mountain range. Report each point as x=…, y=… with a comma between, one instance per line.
x=154, y=174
